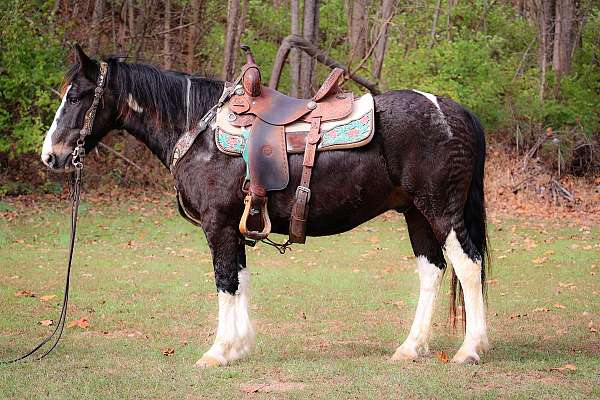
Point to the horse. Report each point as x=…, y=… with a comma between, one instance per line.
x=426, y=160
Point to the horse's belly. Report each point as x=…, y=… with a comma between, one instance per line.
x=347, y=189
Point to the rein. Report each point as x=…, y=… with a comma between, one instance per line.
x=75, y=181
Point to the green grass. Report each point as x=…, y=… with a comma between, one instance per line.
x=328, y=315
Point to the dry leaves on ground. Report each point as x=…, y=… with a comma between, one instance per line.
x=47, y=322
x=82, y=323
x=47, y=297
x=168, y=351
x=442, y=356
x=565, y=368
x=25, y=293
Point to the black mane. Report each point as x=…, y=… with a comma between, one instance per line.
x=161, y=93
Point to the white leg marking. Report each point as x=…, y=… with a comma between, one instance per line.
x=416, y=343
x=469, y=275
x=134, y=104
x=235, y=335
x=47, y=147
x=438, y=118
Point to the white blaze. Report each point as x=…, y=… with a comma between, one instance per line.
x=47, y=147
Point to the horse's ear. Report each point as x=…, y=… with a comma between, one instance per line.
x=88, y=66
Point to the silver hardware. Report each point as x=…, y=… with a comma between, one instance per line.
x=311, y=105
x=231, y=117
x=305, y=190
x=240, y=91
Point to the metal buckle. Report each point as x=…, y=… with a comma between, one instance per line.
x=305, y=190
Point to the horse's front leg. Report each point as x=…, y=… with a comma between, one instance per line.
x=235, y=335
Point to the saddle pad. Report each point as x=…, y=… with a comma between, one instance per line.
x=353, y=131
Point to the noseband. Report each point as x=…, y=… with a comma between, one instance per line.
x=77, y=161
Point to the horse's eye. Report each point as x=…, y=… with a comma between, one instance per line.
x=73, y=100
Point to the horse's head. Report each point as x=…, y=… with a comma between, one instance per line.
x=77, y=96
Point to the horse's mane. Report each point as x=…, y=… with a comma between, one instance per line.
x=162, y=94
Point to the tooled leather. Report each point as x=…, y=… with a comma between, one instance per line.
x=268, y=155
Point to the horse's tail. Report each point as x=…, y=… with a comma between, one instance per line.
x=474, y=217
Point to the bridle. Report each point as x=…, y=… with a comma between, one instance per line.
x=77, y=161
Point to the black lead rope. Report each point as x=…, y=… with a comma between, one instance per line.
x=58, y=331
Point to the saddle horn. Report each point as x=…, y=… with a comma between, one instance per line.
x=251, y=79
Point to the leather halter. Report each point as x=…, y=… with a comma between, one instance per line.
x=77, y=161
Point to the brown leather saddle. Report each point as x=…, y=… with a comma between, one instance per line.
x=266, y=113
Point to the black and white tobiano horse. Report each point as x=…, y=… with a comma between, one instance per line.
x=426, y=160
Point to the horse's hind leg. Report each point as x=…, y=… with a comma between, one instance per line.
x=467, y=264
x=430, y=265
x=235, y=335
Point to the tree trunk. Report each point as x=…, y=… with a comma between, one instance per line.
x=233, y=10
x=94, y=35
x=359, y=27
x=168, y=57
x=387, y=12
x=317, y=54
x=436, y=16
x=310, y=33
x=565, y=29
x=295, y=53
x=241, y=25
x=193, y=34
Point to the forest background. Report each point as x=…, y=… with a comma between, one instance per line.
x=530, y=69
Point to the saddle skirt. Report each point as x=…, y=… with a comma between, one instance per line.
x=355, y=130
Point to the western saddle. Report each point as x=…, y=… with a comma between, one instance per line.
x=266, y=112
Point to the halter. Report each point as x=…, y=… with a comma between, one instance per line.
x=77, y=161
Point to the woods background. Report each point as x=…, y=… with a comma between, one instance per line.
x=530, y=69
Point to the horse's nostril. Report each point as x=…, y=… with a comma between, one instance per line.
x=49, y=159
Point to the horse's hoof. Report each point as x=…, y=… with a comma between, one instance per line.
x=208, y=361
x=404, y=354
x=464, y=357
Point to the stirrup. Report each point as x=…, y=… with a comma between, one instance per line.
x=255, y=235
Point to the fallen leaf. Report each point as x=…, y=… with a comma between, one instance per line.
x=541, y=309
x=168, y=351
x=539, y=260
x=47, y=322
x=566, y=367
x=558, y=305
x=25, y=293
x=491, y=281
x=442, y=356
x=47, y=297
x=82, y=323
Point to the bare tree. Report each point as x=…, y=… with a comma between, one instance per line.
x=436, y=16
x=387, y=12
x=168, y=57
x=359, y=27
x=94, y=35
x=233, y=10
x=565, y=35
x=310, y=31
x=241, y=25
x=295, y=53
x=194, y=34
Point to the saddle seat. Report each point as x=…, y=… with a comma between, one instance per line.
x=263, y=115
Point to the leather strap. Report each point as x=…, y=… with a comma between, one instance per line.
x=299, y=213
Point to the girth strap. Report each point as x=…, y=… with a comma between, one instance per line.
x=301, y=199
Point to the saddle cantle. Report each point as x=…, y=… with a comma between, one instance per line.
x=264, y=125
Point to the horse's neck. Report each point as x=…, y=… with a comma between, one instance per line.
x=160, y=141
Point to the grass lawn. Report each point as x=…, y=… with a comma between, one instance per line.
x=328, y=315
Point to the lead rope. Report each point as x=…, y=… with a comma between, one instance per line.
x=58, y=331
x=77, y=161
